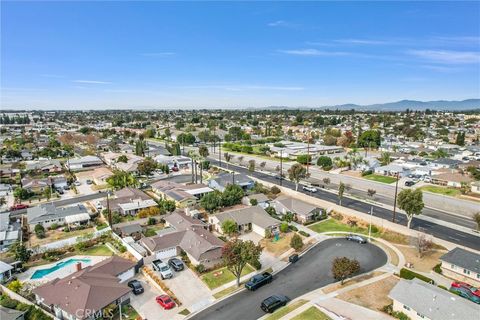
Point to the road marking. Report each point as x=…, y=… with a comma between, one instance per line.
x=456, y=239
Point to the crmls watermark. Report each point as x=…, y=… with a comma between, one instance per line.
x=87, y=313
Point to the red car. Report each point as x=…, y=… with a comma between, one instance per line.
x=472, y=289
x=19, y=206
x=165, y=301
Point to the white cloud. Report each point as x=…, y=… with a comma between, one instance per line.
x=91, y=81
x=361, y=41
x=281, y=23
x=448, y=57
x=313, y=52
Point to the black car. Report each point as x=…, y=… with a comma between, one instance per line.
x=293, y=258
x=176, y=264
x=356, y=238
x=258, y=280
x=274, y=302
x=136, y=286
x=409, y=183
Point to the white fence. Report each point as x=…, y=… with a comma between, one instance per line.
x=130, y=249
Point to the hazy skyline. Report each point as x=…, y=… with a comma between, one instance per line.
x=232, y=54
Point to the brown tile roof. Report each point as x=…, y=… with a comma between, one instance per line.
x=92, y=288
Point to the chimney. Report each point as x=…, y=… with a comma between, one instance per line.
x=79, y=266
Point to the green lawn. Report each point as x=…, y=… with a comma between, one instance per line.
x=312, y=313
x=223, y=276
x=99, y=250
x=379, y=178
x=334, y=225
x=286, y=310
x=441, y=190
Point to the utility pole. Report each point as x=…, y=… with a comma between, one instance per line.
x=233, y=177
x=108, y=209
x=220, y=152
x=308, y=151
x=395, y=198
x=281, y=166
x=370, y=226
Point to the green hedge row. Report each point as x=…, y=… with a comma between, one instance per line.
x=409, y=275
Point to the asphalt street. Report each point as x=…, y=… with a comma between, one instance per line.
x=311, y=272
x=442, y=232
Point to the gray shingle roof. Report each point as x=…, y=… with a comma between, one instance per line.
x=254, y=214
x=463, y=258
x=433, y=302
x=48, y=211
x=226, y=179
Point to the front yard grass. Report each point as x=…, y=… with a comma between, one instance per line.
x=373, y=296
x=425, y=264
x=286, y=310
x=380, y=178
x=312, y=313
x=219, y=277
x=451, y=192
x=277, y=248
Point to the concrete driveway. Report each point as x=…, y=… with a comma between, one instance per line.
x=146, y=305
x=190, y=290
x=251, y=236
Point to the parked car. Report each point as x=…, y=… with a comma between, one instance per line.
x=309, y=189
x=175, y=169
x=466, y=293
x=136, y=286
x=279, y=177
x=293, y=258
x=356, y=238
x=77, y=183
x=274, y=302
x=89, y=181
x=165, y=301
x=258, y=281
x=176, y=264
x=163, y=268
x=19, y=206
x=472, y=289
x=60, y=191
x=409, y=183
x=66, y=187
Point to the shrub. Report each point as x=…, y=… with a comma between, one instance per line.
x=409, y=275
x=40, y=231
x=337, y=216
x=296, y=242
x=303, y=233
x=268, y=233
x=438, y=268
x=151, y=221
x=15, y=286
x=284, y=227
x=366, y=173
x=200, y=268
x=324, y=162
x=375, y=229
x=443, y=287
x=275, y=190
x=256, y=264
x=253, y=202
x=292, y=228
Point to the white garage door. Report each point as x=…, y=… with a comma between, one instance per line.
x=166, y=253
x=258, y=230
x=127, y=275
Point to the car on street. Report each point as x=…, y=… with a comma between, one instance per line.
x=409, y=183
x=19, y=206
x=356, y=238
x=274, y=302
x=165, y=301
x=77, y=183
x=89, y=181
x=136, y=286
x=66, y=187
x=465, y=293
x=472, y=289
x=309, y=189
x=293, y=258
x=258, y=281
x=175, y=169
x=176, y=264
x=163, y=268
x=60, y=191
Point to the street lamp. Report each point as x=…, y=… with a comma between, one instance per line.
x=370, y=226
x=281, y=166
x=395, y=198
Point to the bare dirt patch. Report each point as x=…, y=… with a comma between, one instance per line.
x=373, y=296
x=277, y=248
x=336, y=286
x=424, y=264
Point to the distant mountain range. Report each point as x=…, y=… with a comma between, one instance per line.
x=414, y=105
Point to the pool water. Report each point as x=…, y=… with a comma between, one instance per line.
x=40, y=273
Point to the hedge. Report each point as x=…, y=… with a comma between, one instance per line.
x=303, y=233
x=409, y=275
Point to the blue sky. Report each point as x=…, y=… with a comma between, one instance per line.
x=236, y=54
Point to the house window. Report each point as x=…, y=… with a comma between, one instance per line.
x=478, y=275
x=406, y=307
x=452, y=266
x=466, y=271
x=420, y=315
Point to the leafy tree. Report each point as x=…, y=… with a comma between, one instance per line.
x=296, y=242
x=168, y=205
x=476, y=218
x=341, y=191
x=410, y=201
x=304, y=159
x=296, y=173
x=326, y=181
x=460, y=140
x=369, y=139
x=385, y=158
x=232, y=195
x=251, y=165
x=121, y=179
x=186, y=138
x=343, y=267
x=123, y=158
x=211, y=201
x=284, y=227
x=253, y=202
x=149, y=212
x=147, y=166
x=40, y=231
x=203, y=151
x=237, y=253
x=20, y=251
x=15, y=286
x=324, y=162
x=229, y=227
x=21, y=193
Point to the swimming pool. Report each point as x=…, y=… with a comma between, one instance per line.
x=40, y=273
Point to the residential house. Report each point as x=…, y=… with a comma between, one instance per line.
x=183, y=195
x=181, y=162
x=36, y=185
x=451, y=179
x=304, y=212
x=131, y=165
x=420, y=300
x=5, y=189
x=5, y=272
x=475, y=187
x=97, y=175
x=292, y=149
x=10, y=232
x=189, y=235
x=368, y=164
x=48, y=214
x=445, y=163
x=393, y=170
x=84, y=163
x=461, y=265
x=253, y=218
x=223, y=180
x=87, y=292
x=260, y=199
x=46, y=166
x=129, y=201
